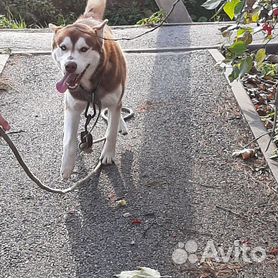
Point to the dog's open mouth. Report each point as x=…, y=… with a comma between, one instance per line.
x=69, y=81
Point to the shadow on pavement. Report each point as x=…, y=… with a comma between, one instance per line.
x=152, y=176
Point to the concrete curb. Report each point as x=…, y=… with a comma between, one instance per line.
x=3, y=60
x=47, y=30
x=251, y=116
x=131, y=51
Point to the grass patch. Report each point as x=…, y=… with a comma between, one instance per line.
x=12, y=23
x=155, y=18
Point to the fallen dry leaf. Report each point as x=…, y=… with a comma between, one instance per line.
x=273, y=252
x=126, y=215
x=245, y=153
x=145, y=107
x=211, y=269
x=122, y=203
x=142, y=272
x=136, y=221
x=4, y=85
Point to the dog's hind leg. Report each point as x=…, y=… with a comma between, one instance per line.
x=108, y=151
x=122, y=126
x=73, y=109
x=114, y=115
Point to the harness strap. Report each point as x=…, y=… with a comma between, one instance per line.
x=89, y=117
x=86, y=136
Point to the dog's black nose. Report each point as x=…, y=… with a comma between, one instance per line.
x=71, y=67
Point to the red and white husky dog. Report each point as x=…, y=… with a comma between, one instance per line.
x=90, y=61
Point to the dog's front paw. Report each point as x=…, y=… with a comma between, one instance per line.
x=67, y=167
x=68, y=161
x=107, y=157
x=66, y=172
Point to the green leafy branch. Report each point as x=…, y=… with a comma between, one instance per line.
x=155, y=18
x=250, y=19
x=264, y=14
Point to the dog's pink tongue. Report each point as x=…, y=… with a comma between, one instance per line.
x=62, y=85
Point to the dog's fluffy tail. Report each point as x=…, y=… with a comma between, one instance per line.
x=95, y=9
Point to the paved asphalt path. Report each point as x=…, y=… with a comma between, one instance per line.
x=174, y=169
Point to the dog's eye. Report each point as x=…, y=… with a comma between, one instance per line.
x=63, y=47
x=84, y=49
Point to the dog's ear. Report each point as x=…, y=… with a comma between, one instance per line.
x=53, y=27
x=99, y=29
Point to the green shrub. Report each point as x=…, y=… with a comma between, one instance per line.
x=155, y=18
x=11, y=23
x=38, y=13
x=124, y=12
x=197, y=12
x=33, y=12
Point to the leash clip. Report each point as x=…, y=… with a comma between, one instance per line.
x=86, y=136
x=86, y=142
